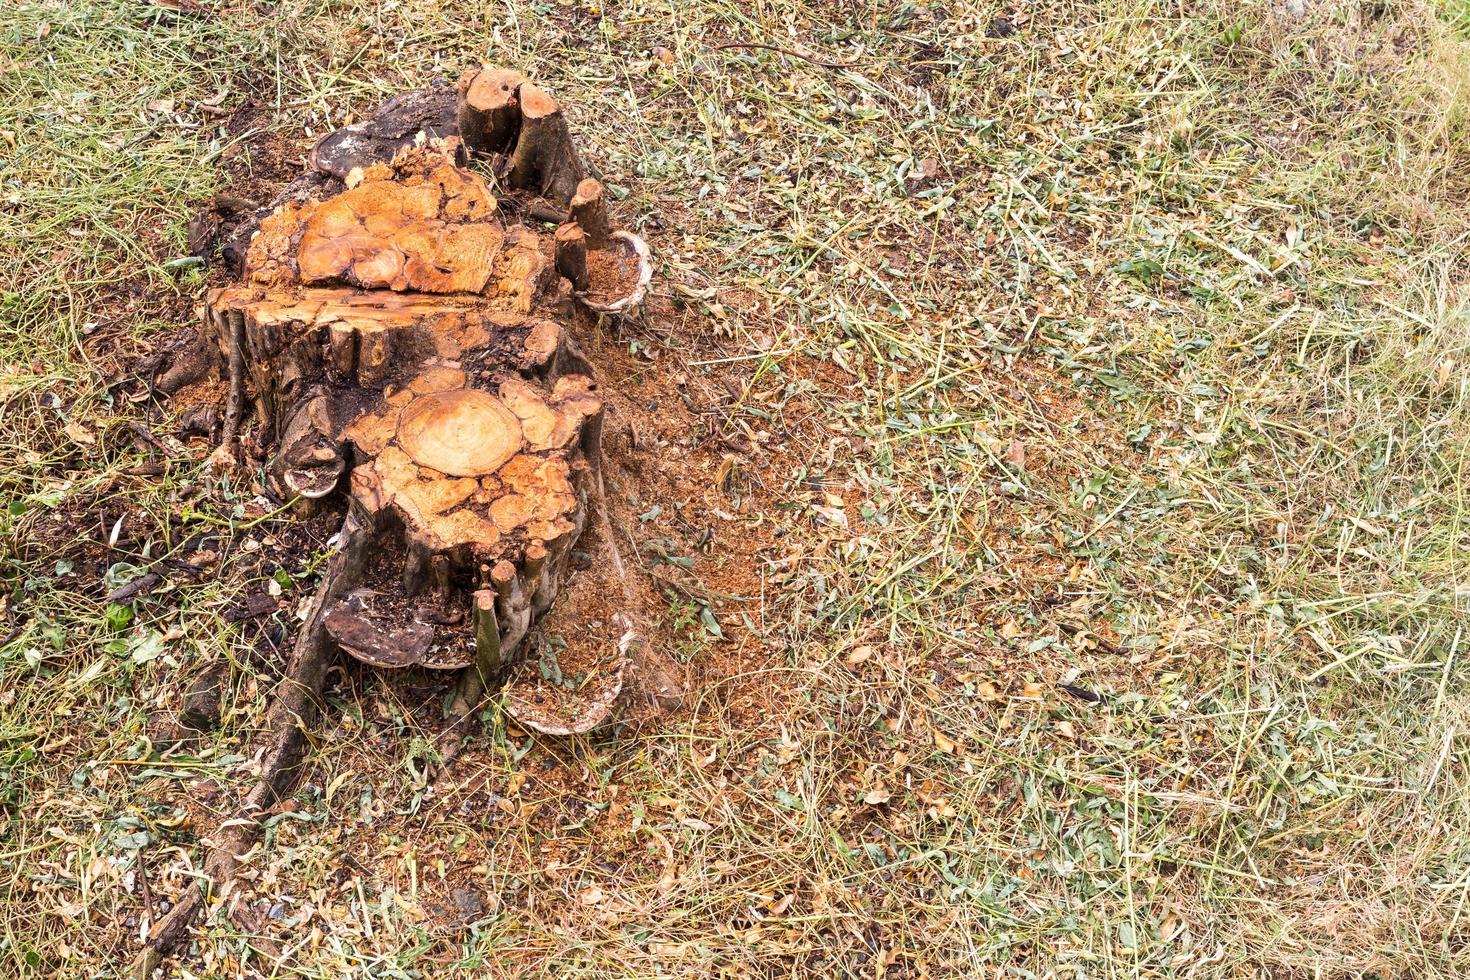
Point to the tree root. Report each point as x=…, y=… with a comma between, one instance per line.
x=290, y=715
x=224, y=459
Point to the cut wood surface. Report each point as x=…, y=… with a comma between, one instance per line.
x=401, y=324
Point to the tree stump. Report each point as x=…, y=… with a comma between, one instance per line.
x=403, y=342
x=403, y=346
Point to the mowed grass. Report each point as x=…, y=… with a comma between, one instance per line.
x=1121, y=623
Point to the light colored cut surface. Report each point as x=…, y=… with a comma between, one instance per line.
x=464, y=432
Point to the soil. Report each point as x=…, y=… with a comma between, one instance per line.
x=572, y=664
x=612, y=273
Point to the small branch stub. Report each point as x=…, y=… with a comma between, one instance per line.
x=571, y=254
x=589, y=209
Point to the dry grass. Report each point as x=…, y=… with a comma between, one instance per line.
x=1121, y=626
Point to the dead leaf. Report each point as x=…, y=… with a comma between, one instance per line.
x=726, y=470
x=1032, y=690
x=1016, y=455
x=859, y=654
x=79, y=433
x=877, y=796
x=944, y=743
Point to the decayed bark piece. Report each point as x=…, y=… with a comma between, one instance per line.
x=393, y=127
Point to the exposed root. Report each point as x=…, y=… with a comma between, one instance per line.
x=290, y=715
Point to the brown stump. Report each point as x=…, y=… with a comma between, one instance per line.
x=544, y=160
x=489, y=113
x=440, y=381
x=401, y=345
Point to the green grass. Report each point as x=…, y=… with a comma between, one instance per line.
x=1203, y=267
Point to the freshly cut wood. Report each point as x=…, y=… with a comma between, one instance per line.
x=420, y=224
x=464, y=432
x=488, y=111
x=544, y=160
x=235, y=239
x=288, y=719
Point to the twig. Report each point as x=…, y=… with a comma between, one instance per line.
x=790, y=53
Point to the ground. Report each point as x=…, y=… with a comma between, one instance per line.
x=1051, y=427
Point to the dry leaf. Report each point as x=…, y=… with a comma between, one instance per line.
x=944, y=743
x=79, y=433
x=1032, y=690
x=1016, y=455
x=877, y=796
x=859, y=654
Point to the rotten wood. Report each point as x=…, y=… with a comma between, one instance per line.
x=392, y=128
